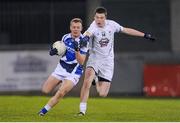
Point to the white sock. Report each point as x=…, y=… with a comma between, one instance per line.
x=47, y=107
x=82, y=107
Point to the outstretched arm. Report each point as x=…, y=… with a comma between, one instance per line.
x=133, y=32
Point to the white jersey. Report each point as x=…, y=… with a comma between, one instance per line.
x=102, y=40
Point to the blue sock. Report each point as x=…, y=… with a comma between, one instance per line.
x=44, y=111
x=46, y=108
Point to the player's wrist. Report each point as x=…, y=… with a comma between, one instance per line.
x=76, y=46
x=86, y=38
x=84, y=41
x=53, y=51
x=149, y=37
x=77, y=50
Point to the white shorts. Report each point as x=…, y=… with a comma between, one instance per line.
x=61, y=74
x=104, y=67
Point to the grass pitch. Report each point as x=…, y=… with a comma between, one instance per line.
x=25, y=108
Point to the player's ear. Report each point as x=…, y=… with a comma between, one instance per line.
x=70, y=27
x=81, y=27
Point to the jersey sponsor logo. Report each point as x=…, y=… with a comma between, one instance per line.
x=104, y=41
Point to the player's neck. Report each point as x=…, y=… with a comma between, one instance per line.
x=101, y=26
x=73, y=36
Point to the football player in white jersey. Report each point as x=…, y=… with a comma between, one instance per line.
x=101, y=58
x=70, y=67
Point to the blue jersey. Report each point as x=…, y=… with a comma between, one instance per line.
x=69, y=61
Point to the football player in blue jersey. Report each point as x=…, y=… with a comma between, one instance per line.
x=70, y=67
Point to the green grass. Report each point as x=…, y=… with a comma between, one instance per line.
x=25, y=108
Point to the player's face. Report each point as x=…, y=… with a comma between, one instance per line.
x=76, y=29
x=100, y=19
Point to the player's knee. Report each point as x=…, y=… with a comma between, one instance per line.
x=45, y=91
x=61, y=94
x=103, y=94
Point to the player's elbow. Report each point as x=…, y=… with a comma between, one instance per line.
x=80, y=58
x=81, y=61
x=45, y=91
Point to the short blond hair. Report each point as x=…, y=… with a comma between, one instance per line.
x=76, y=20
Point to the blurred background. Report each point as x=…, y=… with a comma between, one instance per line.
x=142, y=68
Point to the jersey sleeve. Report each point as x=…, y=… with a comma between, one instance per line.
x=63, y=38
x=117, y=27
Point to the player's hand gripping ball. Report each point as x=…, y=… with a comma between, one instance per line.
x=60, y=47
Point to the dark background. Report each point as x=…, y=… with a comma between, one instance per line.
x=37, y=23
